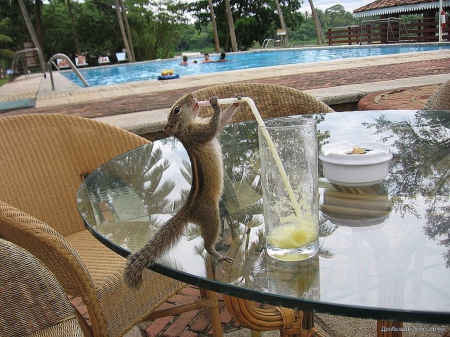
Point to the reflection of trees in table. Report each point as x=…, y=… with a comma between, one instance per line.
x=242, y=191
x=420, y=168
x=142, y=174
x=142, y=171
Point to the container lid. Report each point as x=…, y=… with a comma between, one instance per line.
x=361, y=153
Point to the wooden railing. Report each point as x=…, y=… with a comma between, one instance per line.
x=393, y=31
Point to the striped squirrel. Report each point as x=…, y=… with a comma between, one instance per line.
x=199, y=137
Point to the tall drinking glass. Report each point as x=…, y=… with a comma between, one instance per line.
x=289, y=159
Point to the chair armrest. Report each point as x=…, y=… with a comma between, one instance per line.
x=48, y=246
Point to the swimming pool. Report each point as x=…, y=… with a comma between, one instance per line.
x=142, y=71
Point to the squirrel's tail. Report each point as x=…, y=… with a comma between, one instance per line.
x=164, y=239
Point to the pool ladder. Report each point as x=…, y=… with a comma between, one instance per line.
x=71, y=65
x=266, y=44
x=22, y=60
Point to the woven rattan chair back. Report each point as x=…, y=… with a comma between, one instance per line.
x=270, y=99
x=43, y=159
x=440, y=98
x=33, y=301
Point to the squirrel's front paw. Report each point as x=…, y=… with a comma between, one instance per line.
x=239, y=97
x=214, y=101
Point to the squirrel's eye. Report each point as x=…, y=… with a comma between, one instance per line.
x=176, y=109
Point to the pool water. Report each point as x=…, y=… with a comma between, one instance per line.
x=149, y=70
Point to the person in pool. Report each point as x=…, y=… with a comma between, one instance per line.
x=207, y=59
x=222, y=57
x=184, y=62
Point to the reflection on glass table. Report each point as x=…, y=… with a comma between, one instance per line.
x=384, y=250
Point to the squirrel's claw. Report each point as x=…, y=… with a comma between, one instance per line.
x=226, y=259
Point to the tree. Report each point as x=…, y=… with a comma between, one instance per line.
x=74, y=27
x=33, y=34
x=119, y=9
x=30, y=27
x=38, y=23
x=127, y=29
x=317, y=24
x=231, y=25
x=214, y=26
x=337, y=16
x=283, y=25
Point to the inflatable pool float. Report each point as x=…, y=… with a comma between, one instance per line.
x=168, y=77
x=167, y=74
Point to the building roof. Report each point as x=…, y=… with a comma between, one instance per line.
x=383, y=7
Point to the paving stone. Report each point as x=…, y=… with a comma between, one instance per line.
x=180, y=324
x=399, y=99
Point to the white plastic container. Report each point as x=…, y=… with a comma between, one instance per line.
x=341, y=167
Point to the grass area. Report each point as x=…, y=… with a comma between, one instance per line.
x=3, y=81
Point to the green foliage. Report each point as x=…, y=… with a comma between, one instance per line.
x=193, y=39
x=13, y=24
x=58, y=36
x=156, y=27
x=159, y=29
x=334, y=16
x=254, y=20
x=6, y=55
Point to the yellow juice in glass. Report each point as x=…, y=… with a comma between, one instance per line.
x=292, y=242
x=287, y=237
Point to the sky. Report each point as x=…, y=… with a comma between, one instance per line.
x=349, y=5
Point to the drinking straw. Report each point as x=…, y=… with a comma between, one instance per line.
x=264, y=131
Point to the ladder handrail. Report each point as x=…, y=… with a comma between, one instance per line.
x=69, y=61
x=19, y=53
x=266, y=43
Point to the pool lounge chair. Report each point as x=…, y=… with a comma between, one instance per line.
x=61, y=66
x=121, y=57
x=191, y=54
x=79, y=64
x=103, y=60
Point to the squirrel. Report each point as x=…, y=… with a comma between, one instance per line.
x=199, y=137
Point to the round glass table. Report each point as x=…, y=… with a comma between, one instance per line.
x=384, y=250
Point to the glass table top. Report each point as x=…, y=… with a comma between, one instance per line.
x=384, y=250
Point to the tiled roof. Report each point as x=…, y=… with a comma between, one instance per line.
x=379, y=4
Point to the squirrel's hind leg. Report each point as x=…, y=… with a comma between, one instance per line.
x=210, y=233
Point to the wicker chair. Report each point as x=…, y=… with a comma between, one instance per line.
x=43, y=160
x=271, y=101
x=440, y=98
x=33, y=301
